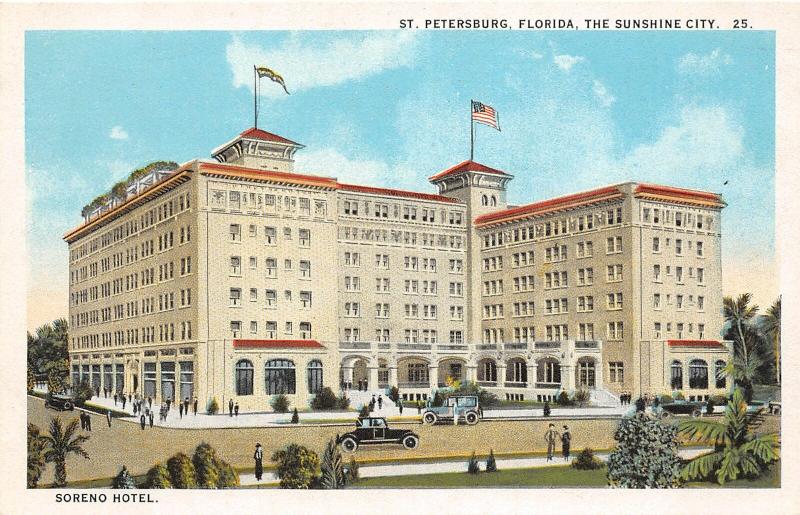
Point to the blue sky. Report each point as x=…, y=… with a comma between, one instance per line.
x=578, y=109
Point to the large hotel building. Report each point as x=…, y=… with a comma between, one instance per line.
x=238, y=278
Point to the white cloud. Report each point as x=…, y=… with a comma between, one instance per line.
x=566, y=61
x=304, y=65
x=117, y=132
x=330, y=162
x=536, y=55
x=692, y=63
x=603, y=95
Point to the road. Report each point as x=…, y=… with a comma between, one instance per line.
x=126, y=444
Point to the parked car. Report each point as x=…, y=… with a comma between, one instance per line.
x=464, y=407
x=374, y=430
x=59, y=402
x=753, y=406
x=774, y=407
x=693, y=408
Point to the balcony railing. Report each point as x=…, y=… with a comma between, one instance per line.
x=355, y=345
x=487, y=346
x=550, y=386
x=587, y=344
x=515, y=384
x=487, y=383
x=414, y=384
x=515, y=346
x=414, y=346
x=452, y=346
x=547, y=345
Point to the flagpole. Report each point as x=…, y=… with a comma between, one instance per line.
x=471, y=133
x=255, y=97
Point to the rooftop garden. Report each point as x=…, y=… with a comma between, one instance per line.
x=118, y=191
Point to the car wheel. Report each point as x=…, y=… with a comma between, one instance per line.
x=429, y=418
x=696, y=412
x=665, y=414
x=411, y=442
x=68, y=406
x=471, y=418
x=349, y=444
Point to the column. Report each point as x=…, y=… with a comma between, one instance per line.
x=472, y=373
x=372, y=374
x=392, y=375
x=567, y=377
x=531, y=371
x=347, y=377
x=598, y=373
x=501, y=373
x=433, y=376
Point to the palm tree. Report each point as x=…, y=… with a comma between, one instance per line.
x=61, y=442
x=36, y=445
x=739, y=314
x=737, y=449
x=772, y=326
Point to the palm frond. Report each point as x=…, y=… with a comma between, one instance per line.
x=765, y=447
x=703, y=430
x=701, y=466
x=728, y=467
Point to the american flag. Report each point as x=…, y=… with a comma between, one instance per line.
x=484, y=114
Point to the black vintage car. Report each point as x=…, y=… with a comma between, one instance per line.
x=59, y=402
x=373, y=430
x=692, y=408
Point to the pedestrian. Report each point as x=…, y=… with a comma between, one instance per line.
x=374, y=400
x=400, y=405
x=180, y=409
x=169, y=404
x=129, y=398
x=142, y=421
x=566, y=438
x=236, y=409
x=372, y=405
x=83, y=420
x=134, y=407
x=230, y=407
x=123, y=402
x=546, y=409
x=550, y=437
x=259, y=456
x=380, y=402
x=115, y=399
x=108, y=417
x=151, y=418
x=186, y=406
x=150, y=402
x=195, y=406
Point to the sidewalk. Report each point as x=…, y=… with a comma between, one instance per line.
x=409, y=469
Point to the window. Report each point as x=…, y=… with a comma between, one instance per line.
x=352, y=259
x=613, y=273
x=614, y=301
x=279, y=377
x=254, y=327
x=305, y=299
x=304, y=237
x=305, y=330
x=678, y=247
x=253, y=231
x=351, y=309
x=236, y=265
x=615, y=331
x=244, y=377
x=305, y=269
x=586, y=332
x=657, y=273
x=253, y=294
x=236, y=232
x=700, y=276
x=719, y=374
x=676, y=375
x=270, y=235
x=272, y=297
x=656, y=301
x=616, y=372
x=272, y=267
x=679, y=274
x=656, y=245
x=314, y=373
x=235, y=296
x=382, y=261
x=698, y=374
x=614, y=245
x=288, y=328
x=699, y=249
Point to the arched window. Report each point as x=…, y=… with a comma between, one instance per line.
x=484, y=200
x=586, y=373
x=719, y=374
x=676, y=375
x=698, y=374
x=487, y=371
x=244, y=377
x=314, y=376
x=494, y=201
x=517, y=371
x=548, y=371
x=279, y=376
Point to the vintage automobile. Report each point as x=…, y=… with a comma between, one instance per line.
x=462, y=407
x=374, y=430
x=59, y=402
x=693, y=408
x=774, y=407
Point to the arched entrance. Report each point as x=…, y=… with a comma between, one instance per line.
x=487, y=372
x=354, y=374
x=516, y=373
x=548, y=373
x=451, y=370
x=413, y=372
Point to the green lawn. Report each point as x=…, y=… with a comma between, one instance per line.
x=542, y=477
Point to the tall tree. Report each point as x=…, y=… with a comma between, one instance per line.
x=61, y=442
x=772, y=326
x=47, y=350
x=36, y=463
x=738, y=450
x=739, y=315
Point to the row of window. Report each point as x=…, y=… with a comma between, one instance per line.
x=270, y=234
x=699, y=248
x=660, y=216
x=353, y=334
x=271, y=329
x=698, y=374
x=270, y=266
x=383, y=210
x=266, y=203
x=270, y=297
x=167, y=332
x=398, y=237
x=553, y=332
x=682, y=330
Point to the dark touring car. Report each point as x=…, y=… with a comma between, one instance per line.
x=373, y=430
x=59, y=402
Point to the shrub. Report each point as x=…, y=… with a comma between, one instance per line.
x=438, y=399
x=719, y=400
x=36, y=450
x=325, y=399
x=83, y=392
x=31, y=380
x=581, y=396
x=54, y=382
x=343, y=402
x=333, y=476
x=546, y=409
x=212, y=408
x=586, y=460
x=206, y=471
x=181, y=471
x=364, y=411
x=298, y=466
x=646, y=455
x=123, y=480
x=665, y=398
x=228, y=477
x=679, y=396
x=563, y=399
x=472, y=466
x=394, y=394
x=158, y=477
x=352, y=471
x=485, y=398
x=280, y=403
x=491, y=463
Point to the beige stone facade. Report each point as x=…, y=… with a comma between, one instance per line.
x=239, y=279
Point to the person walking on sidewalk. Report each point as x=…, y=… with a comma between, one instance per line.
x=380, y=402
x=236, y=409
x=259, y=457
x=151, y=418
x=108, y=417
x=195, y=406
x=230, y=408
x=550, y=437
x=142, y=421
x=566, y=438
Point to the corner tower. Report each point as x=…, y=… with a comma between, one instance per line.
x=257, y=148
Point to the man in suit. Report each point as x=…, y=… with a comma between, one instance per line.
x=195, y=406
x=108, y=417
x=258, y=456
x=550, y=437
x=230, y=407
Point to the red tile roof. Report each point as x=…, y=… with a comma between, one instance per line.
x=292, y=177
x=679, y=194
x=395, y=193
x=714, y=344
x=546, y=206
x=254, y=133
x=277, y=344
x=471, y=166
